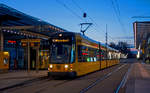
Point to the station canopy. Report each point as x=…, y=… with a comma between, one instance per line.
x=14, y=20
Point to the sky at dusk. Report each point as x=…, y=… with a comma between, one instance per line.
x=67, y=14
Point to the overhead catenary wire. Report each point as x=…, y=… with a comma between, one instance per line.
x=76, y=4
x=96, y=25
x=116, y=8
x=84, y=12
x=69, y=9
x=79, y=17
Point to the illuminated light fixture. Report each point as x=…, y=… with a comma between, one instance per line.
x=96, y=45
x=88, y=59
x=60, y=35
x=71, y=67
x=11, y=41
x=66, y=66
x=51, y=66
x=6, y=53
x=94, y=58
x=84, y=53
x=91, y=59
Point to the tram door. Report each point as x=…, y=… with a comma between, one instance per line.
x=32, y=58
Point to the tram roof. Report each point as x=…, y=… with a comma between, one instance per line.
x=102, y=44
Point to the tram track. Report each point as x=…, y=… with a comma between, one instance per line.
x=42, y=79
x=23, y=83
x=81, y=78
x=99, y=80
x=50, y=84
x=124, y=80
x=76, y=79
x=39, y=85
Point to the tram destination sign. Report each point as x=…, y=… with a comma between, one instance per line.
x=61, y=40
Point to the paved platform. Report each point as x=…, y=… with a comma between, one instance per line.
x=139, y=79
x=13, y=78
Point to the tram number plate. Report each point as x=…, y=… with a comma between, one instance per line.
x=58, y=66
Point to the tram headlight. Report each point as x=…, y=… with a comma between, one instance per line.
x=51, y=66
x=66, y=66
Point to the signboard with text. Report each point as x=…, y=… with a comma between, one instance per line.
x=32, y=42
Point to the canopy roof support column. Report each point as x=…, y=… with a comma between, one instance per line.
x=1, y=40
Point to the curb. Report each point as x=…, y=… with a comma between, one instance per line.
x=23, y=83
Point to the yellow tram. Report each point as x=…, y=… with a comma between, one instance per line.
x=72, y=54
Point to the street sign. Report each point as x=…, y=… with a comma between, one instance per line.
x=32, y=42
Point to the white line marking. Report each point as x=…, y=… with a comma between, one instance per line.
x=124, y=80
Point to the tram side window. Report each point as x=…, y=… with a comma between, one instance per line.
x=87, y=54
x=93, y=55
x=79, y=54
x=102, y=54
x=83, y=53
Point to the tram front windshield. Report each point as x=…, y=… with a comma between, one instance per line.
x=60, y=53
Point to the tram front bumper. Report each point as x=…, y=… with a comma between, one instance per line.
x=68, y=74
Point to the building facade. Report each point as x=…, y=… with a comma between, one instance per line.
x=142, y=38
